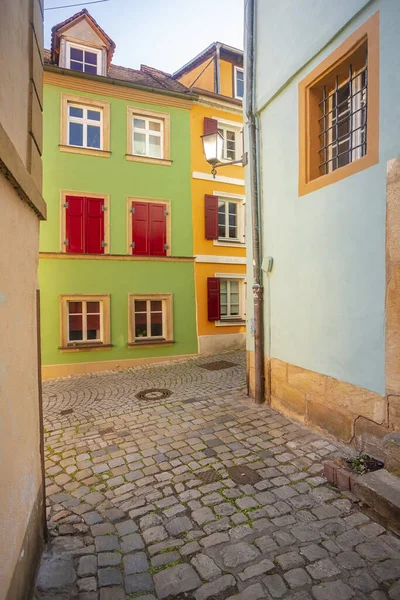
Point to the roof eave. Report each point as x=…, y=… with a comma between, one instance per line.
x=100, y=78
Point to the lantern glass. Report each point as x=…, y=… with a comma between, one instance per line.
x=213, y=146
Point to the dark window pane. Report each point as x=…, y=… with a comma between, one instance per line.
x=76, y=54
x=232, y=232
x=91, y=58
x=74, y=307
x=75, y=327
x=93, y=307
x=93, y=136
x=156, y=305
x=221, y=232
x=76, y=134
x=93, y=322
x=140, y=305
x=232, y=220
x=140, y=325
x=93, y=334
x=239, y=88
x=91, y=69
x=93, y=115
x=76, y=66
x=156, y=324
x=75, y=112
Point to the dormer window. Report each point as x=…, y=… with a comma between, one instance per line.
x=84, y=59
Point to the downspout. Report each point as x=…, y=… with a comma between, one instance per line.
x=250, y=32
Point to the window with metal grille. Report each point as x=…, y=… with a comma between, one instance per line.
x=343, y=138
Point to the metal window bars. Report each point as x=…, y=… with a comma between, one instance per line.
x=343, y=135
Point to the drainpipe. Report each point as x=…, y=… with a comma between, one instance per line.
x=255, y=201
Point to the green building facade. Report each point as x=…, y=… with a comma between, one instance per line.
x=116, y=269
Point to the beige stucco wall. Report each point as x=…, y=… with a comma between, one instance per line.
x=21, y=495
x=20, y=470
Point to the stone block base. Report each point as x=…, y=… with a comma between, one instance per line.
x=349, y=413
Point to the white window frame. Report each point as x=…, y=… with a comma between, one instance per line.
x=236, y=71
x=98, y=51
x=84, y=314
x=236, y=128
x=234, y=320
x=85, y=121
x=147, y=132
x=241, y=219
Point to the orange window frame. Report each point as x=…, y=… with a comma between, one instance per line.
x=310, y=179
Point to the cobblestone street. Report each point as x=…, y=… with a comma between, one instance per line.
x=143, y=501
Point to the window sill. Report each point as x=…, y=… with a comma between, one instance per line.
x=151, y=343
x=230, y=323
x=230, y=243
x=148, y=159
x=88, y=151
x=80, y=347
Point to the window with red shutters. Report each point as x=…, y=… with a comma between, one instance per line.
x=84, y=225
x=213, y=298
x=211, y=217
x=149, y=229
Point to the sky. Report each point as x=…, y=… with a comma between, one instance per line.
x=164, y=34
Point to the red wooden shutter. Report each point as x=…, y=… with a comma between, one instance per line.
x=213, y=298
x=94, y=226
x=140, y=228
x=158, y=229
x=75, y=224
x=210, y=125
x=211, y=217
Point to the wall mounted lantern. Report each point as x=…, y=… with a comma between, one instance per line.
x=213, y=144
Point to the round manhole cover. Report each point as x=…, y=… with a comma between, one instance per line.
x=153, y=394
x=243, y=474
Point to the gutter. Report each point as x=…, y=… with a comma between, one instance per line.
x=120, y=82
x=258, y=291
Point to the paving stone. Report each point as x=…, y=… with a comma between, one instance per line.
x=205, y=566
x=216, y=587
x=220, y=525
x=189, y=548
x=155, y=534
x=214, y=539
x=364, y=582
x=92, y=518
x=179, y=525
x=87, y=565
x=350, y=560
x=109, y=559
x=275, y=585
x=332, y=591
x=255, y=570
x=297, y=578
x=212, y=499
x=304, y=533
x=112, y=593
x=164, y=559
x=135, y=563
x=109, y=576
x=394, y=591
x=203, y=515
x=225, y=509
x=174, y=510
x=132, y=542
x=102, y=529
x=87, y=584
x=67, y=545
x=139, y=582
x=175, y=580
x=163, y=546
x=246, y=502
x=252, y=592
x=55, y=573
x=313, y=552
x=388, y=570
x=106, y=543
x=150, y=521
x=238, y=554
x=290, y=560
x=374, y=551
x=323, y=569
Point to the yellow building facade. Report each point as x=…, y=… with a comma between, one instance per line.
x=218, y=203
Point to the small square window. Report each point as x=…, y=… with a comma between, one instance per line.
x=83, y=59
x=85, y=126
x=85, y=321
x=150, y=319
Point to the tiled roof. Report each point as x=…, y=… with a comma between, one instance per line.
x=147, y=76
x=207, y=53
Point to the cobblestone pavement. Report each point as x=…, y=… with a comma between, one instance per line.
x=142, y=501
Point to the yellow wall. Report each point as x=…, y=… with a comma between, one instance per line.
x=206, y=79
x=226, y=75
x=202, y=246
x=202, y=271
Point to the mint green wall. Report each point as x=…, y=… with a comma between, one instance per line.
x=117, y=278
x=116, y=176
x=325, y=296
x=119, y=178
